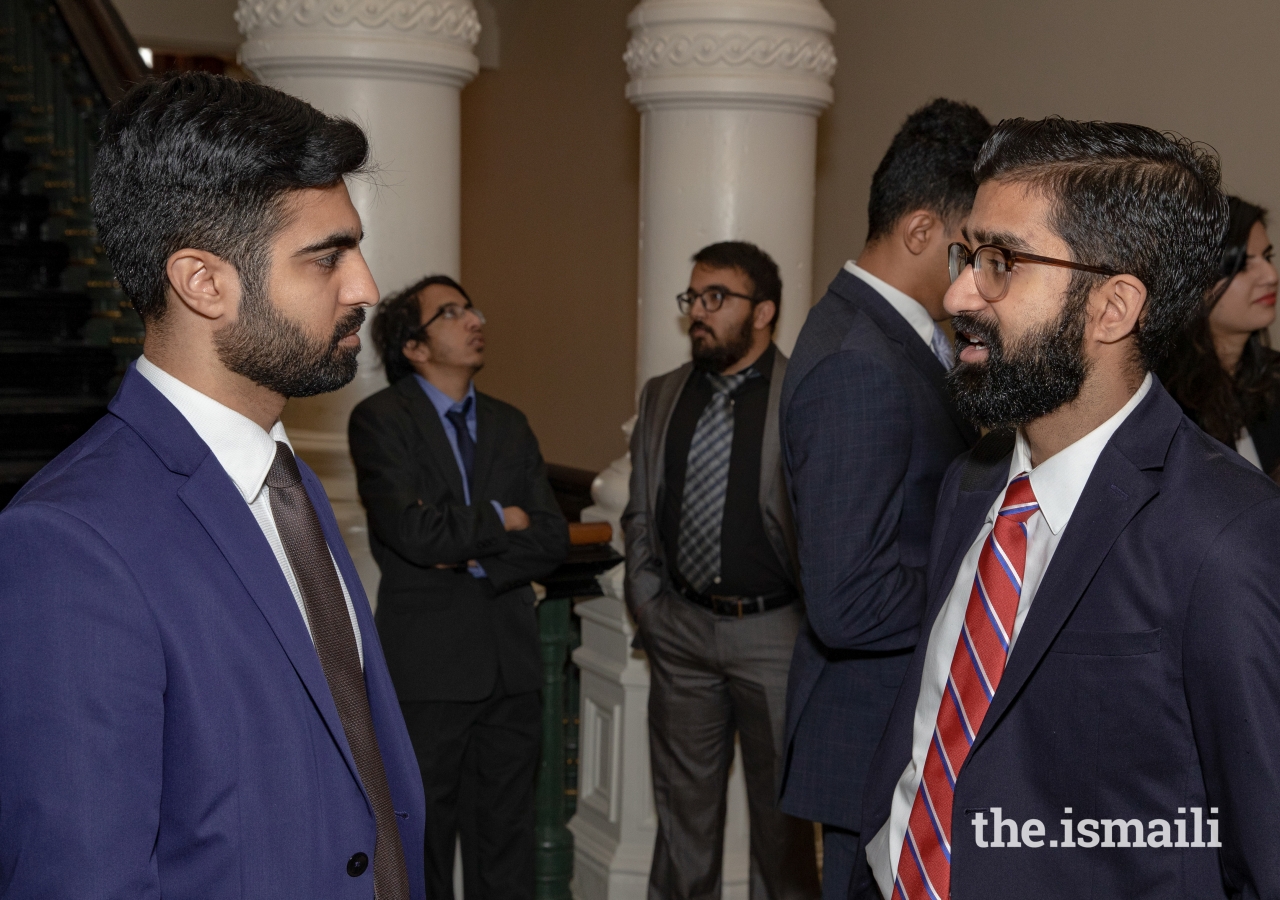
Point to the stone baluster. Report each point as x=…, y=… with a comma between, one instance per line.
x=396, y=67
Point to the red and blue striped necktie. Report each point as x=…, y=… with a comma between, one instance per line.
x=924, y=866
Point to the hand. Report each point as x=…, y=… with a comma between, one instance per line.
x=514, y=518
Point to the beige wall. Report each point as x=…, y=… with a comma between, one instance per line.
x=200, y=26
x=550, y=186
x=550, y=150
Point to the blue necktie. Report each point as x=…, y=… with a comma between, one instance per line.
x=942, y=347
x=466, y=446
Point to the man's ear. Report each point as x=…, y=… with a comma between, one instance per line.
x=917, y=229
x=763, y=314
x=416, y=352
x=204, y=283
x=1117, y=308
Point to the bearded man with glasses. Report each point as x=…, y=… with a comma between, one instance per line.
x=461, y=519
x=1104, y=586
x=712, y=581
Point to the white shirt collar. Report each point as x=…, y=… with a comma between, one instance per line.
x=1059, y=481
x=241, y=447
x=907, y=306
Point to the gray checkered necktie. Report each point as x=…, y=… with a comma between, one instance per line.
x=335, y=641
x=706, y=478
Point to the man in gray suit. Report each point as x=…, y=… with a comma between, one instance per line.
x=712, y=582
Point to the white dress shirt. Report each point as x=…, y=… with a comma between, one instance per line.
x=1057, y=483
x=1247, y=448
x=907, y=306
x=245, y=453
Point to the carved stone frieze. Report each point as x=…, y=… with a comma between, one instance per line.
x=709, y=53
x=451, y=20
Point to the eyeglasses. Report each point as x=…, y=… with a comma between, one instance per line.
x=712, y=299
x=448, y=312
x=993, y=267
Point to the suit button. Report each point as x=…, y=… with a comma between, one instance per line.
x=357, y=864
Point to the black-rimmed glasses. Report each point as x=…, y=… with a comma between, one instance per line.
x=448, y=312
x=712, y=299
x=993, y=267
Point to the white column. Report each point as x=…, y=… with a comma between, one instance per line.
x=729, y=93
x=396, y=68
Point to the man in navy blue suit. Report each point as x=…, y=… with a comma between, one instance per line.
x=1096, y=709
x=193, y=699
x=867, y=433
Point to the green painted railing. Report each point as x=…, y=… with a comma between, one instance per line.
x=556, y=793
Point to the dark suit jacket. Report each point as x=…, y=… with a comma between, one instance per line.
x=867, y=433
x=1146, y=676
x=448, y=636
x=165, y=724
x=648, y=574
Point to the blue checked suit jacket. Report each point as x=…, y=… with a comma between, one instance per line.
x=1146, y=677
x=867, y=434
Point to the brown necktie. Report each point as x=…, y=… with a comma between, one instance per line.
x=335, y=642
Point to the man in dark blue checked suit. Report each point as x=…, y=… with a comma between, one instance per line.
x=711, y=582
x=867, y=434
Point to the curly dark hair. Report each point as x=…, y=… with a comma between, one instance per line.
x=1125, y=198
x=1221, y=403
x=398, y=320
x=929, y=165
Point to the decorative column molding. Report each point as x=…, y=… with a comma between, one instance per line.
x=396, y=68
x=729, y=92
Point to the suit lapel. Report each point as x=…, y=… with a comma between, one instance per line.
x=899, y=330
x=1115, y=492
x=427, y=421
x=486, y=442
x=213, y=499
x=664, y=404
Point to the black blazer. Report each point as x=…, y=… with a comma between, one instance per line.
x=1146, y=677
x=447, y=635
x=867, y=434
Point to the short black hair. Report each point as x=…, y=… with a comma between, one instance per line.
x=204, y=161
x=751, y=261
x=929, y=166
x=397, y=321
x=1125, y=198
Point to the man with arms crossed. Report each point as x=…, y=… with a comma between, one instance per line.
x=194, y=701
x=1104, y=582
x=711, y=581
x=868, y=432
x=461, y=519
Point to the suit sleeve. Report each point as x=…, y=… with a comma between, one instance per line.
x=424, y=533
x=847, y=433
x=82, y=681
x=539, y=549
x=1231, y=655
x=645, y=575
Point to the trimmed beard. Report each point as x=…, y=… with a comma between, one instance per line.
x=1039, y=373
x=716, y=357
x=275, y=353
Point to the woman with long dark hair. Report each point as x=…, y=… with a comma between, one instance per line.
x=1222, y=370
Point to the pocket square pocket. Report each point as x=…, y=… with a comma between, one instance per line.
x=1108, y=643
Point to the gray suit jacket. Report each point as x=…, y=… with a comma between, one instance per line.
x=647, y=572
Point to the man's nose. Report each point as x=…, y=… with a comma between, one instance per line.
x=360, y=289
x=963, y=294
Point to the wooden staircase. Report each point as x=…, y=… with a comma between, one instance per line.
x=67, y=331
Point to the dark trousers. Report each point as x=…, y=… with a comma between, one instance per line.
x=711, y=677
x=478, y=763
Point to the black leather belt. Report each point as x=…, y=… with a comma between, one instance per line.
x=738, y=607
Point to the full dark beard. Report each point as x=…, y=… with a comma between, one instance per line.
x=1039, y=373
x=274, y=352
x=711, y=357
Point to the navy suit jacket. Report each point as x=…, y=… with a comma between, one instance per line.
x=165, y=726
x=1145, y=679
x=867, y=434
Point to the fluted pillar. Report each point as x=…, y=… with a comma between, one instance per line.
x=396, y=67
x=729, y=93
